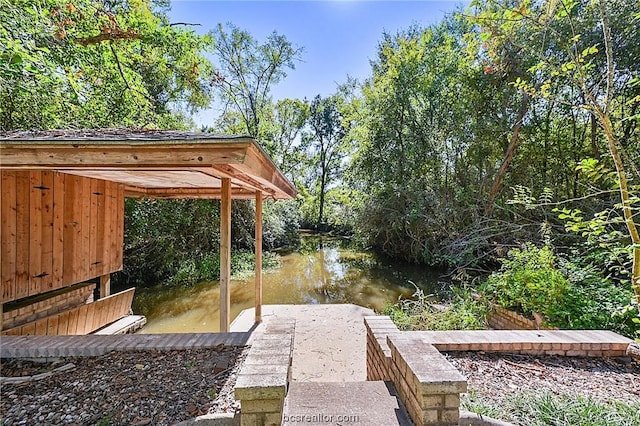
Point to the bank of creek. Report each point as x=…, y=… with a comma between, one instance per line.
x=323, y=270
x=156, y=387
x=162, y=388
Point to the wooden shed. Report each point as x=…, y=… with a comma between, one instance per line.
x=62, y=211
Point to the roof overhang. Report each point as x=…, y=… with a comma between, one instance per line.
x=151, y=164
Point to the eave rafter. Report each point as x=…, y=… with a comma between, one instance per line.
x=183, y=193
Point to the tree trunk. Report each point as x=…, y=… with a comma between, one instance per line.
x=626, y=202
x=511, y=150
x=633, y=351
x=323, y=182
x=594, y=137
x=612, y=143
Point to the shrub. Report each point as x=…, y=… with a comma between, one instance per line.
x=529, y=282
x=177, y=241
x=281, y=224
x=566, y=293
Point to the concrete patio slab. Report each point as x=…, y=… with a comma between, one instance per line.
x=329, y=340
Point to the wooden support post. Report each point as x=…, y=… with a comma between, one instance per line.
x=258, y=297
x=225, y=255
x=105, y=286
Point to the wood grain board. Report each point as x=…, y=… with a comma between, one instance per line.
x=57, y=230
x=84, y=319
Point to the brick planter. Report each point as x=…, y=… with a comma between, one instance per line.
x=503, y=319
x=378, y=351
x=263, y=380
x=429, y=386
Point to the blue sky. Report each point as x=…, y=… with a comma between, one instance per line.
x=339, y=37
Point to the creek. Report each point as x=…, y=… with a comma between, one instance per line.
x=323, y=270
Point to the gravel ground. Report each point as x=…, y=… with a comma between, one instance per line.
x=122, y=388
x=162, y=388
x=495, y=377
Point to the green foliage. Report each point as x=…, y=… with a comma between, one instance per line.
x=327, y=148
x=246, y=72
x=167, y=240
x=283, y=137
x=243, y=262
x=595, y=302
x=546, y=408
x=566, y=293
x=434, y=119
x=462, y=313
x=583, y=69
x=177, y=241
x=340, y=205
x=428, y=141
x=529, y=282
x=281, y=223
x=98, y=64
x=604, y=239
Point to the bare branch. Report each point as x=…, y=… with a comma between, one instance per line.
x=173, y=24
x=111, y=35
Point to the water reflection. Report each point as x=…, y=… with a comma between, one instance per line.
x=324, y=270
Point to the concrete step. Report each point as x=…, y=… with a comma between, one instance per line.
x=344, y=403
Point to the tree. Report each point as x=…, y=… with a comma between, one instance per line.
x=326, y=141
x=579, y=45
x=247, y=70
x=429, y=135
x=283, y=136
x=98, y=64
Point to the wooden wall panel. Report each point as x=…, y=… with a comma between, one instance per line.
x=83, y=319
x=8, y=235
x=23, y=281
x=94, y=219
x=101, y=225
x=119, y=231
x=57, y=230
x=46, y=281
x=35, y=232
x=70, y=223
x=108, y=225
x=72, y=207
x=84, y=262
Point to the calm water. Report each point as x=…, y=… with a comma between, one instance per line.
x=324, y=270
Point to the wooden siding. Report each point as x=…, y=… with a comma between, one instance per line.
x=84, y=319
x=56, y=302
x=57, y=230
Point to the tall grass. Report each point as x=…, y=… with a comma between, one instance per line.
x=462, y=312
x=546, y=408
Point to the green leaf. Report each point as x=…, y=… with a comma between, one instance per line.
x=16, y=59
